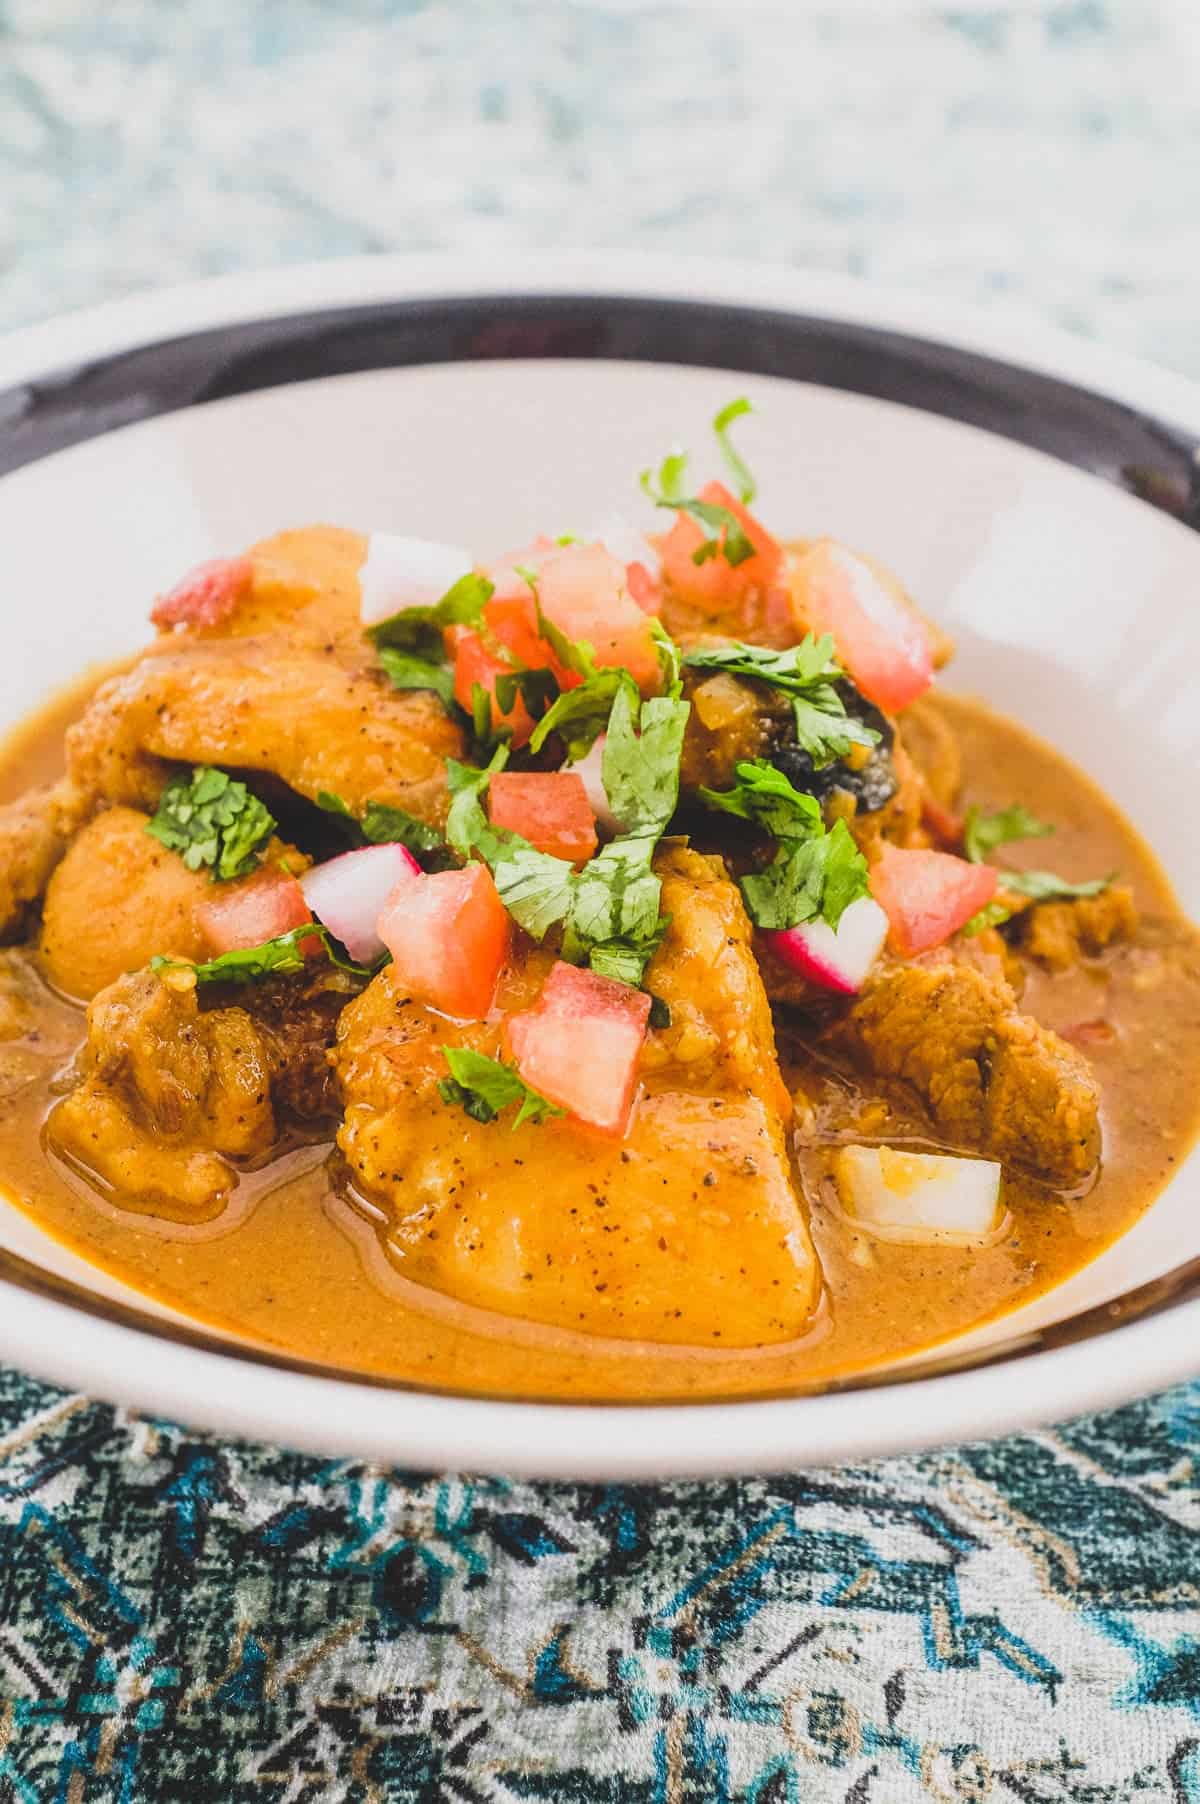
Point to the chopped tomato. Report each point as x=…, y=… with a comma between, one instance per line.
x=580, y=1043
x=207, y=596
x=927, y=896
x=505, y=574
x=878, y=633
x=253, y=910
x=548, y=808
x=644, y=587
x=449, y=936
x=512, y=621
x=475, y=663
x=582, y=589
x=716, y=585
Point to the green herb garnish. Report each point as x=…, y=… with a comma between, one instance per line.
x=535, y=887
x=738, y=469
x=1046, y=886
x=764, y=796
x=807, y=673
x=669, y=489
x=580, y=715
x=382, y=824
x=483, y=1087
x=279, y=957
x=982, y=833
x=405, y=670
x=419, y=630
x=211, y=819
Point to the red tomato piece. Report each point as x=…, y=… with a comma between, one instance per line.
x=644, y=587
x=580, y=1043
x=512, y=621
x=548, y=808
x=927, y=896
x=715, y=584
x=505, y=574
x=582, y=589
x=475, y=663
x=252, y=910
x=207, y=596
x=449, y=936
x=879, y=635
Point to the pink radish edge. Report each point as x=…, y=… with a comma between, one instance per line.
x=349, y=893
x=838, y=960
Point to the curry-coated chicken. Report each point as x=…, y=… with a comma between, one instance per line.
x=688, y=1231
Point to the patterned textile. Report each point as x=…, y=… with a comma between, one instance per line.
x=188, y=1622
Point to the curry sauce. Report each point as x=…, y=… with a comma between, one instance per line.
x=299, y=1259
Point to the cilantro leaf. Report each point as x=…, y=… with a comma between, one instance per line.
x=404, y=670
x=729, y=538
x=807, y=673
x=1045, y=886
x=484, y=1086
x=640, y=766
x=210, y=819
x=536, y=688
x=382, y=824
x=668, y=657
x=419, y=630
x=615, y=924
x=992, y=914
x=982, y=833
x=764, y=796
x=279, y=957
x=810, y=879
x=743, y=481
x=580, y=715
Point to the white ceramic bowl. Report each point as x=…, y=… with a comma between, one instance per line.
x=998, y=470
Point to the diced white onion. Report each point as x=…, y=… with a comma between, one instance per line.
x=407, y=573
x=589, y=768
x=347, y=894
x=919, y=1198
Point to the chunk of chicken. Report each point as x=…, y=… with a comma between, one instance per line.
x=990, y=1077
x=118, y=898
x=34, y=833
x=171, y=1094
x=286, y=686
x=688, y=1231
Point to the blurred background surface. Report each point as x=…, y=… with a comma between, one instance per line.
x=1037, y=153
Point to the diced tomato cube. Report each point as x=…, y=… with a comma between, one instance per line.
x=927, y=896
x=511, y=620
x=716, y=584
x=505, y=574
x=580, y=1043
x=475, y=663
x=207, y=596
x=253, y=910
x=449, y=936
x=878, y=633
x=548, y=808
x=644, y=586
x=582, y=589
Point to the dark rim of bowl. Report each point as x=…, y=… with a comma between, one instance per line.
x=1136, y=451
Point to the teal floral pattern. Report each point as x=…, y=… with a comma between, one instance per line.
x=186, y=1621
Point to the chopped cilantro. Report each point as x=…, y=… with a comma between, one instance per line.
x=405, y=670
x=992, y=914
x=419, y=630
x=810, y=879
x=738, y=469
x=982, y=833
x=535, y=887
x=640, y=766
x=382, y=825
x=1045, y=886
x=279, y=957
x=580, y=715
x=807, y=673
x=764, y=796
x=211, y=819
x=484, y=1086
x=537, y=688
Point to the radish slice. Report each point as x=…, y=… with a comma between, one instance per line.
x=407, y=573
x=919, y=1198
x=589, y=768
x=837, y=960
x=348, y=894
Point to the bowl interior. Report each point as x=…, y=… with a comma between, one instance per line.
x=1073, y=603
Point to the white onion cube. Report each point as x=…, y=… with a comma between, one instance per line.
x=407, y=573
x=919, y=1198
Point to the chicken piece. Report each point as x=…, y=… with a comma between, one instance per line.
x=171, y=1094
x=117, y=898
x=688, y=1231
x=34, y=834
x=990, y=1077
x=286, y=686
x=1059, y=934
